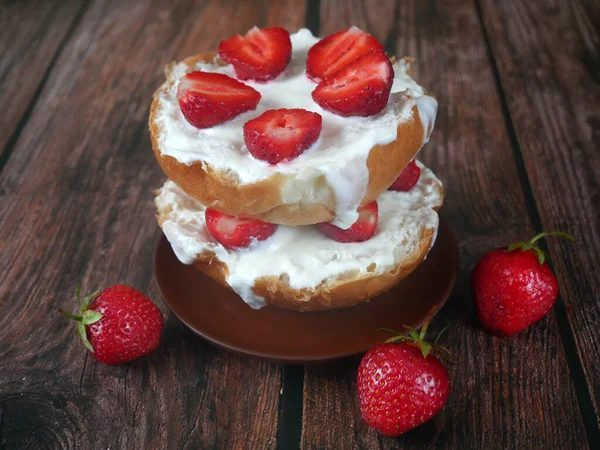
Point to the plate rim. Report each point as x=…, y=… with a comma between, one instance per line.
x=305, y=359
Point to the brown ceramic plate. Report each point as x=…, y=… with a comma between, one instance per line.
x=218, y=315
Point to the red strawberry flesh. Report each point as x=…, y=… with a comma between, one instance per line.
x=234, y=232
x=281, y=134
x=260, y=55
x=407, y=179
x=362, y=230
x=207, y=99
x=362, y=88
x=332, y=54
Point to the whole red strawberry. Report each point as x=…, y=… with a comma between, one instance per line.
x=119, y=325
x=401, y=384
x=514, y=289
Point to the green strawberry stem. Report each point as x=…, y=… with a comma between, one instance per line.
x=551, y=233
x=541, y=254
x=69, y=315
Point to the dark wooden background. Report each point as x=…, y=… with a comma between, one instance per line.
x=515, y=143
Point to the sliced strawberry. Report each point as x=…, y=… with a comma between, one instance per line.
x=207, y=99
x=233, y=232
x=407, y=179
x=332, y=54
x=281, y=134
x=362, y=230
x=260, y=55
x=362, y=88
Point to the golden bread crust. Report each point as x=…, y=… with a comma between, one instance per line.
x=263, y=200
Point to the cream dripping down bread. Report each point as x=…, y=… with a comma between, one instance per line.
x=353, y=161
x=299, y=267
x=293, y=178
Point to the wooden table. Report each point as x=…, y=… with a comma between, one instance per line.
x=515, y=143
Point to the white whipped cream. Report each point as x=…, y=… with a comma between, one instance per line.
x=339, y=155
x=303, y=253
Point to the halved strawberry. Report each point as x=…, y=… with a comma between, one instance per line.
x=362, y=88
x=332, y=54
x=362, y=230
x=234, y=232
x=407, y=179
x=207, y=99
x=260, y=55
x=281, y=134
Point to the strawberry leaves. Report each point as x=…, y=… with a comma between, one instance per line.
x=541, y=254
x=86, y=316
x=417, y=338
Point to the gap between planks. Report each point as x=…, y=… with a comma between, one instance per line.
x=291, y=407
x=584, y=398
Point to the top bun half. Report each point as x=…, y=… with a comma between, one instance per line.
x=352, y=163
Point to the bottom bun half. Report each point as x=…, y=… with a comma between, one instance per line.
x=300, y=269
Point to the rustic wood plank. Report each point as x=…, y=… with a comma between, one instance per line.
x=506, y=393
x=76, y=206
x=31, y=34
x=550, y=74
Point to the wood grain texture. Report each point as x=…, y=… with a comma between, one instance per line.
x=551, y=76
x=76, y=206
x=31, y=34
x=506, y=393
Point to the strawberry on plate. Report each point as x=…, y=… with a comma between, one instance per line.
x=402, y=384
x=361, y=230
x=513, y=287
x=332, y=54
x=261, y=55
x=407, y=179
x=118, y=324
x=207, y=99
x=362, y=88
x=234, y=232
x=281, y=134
